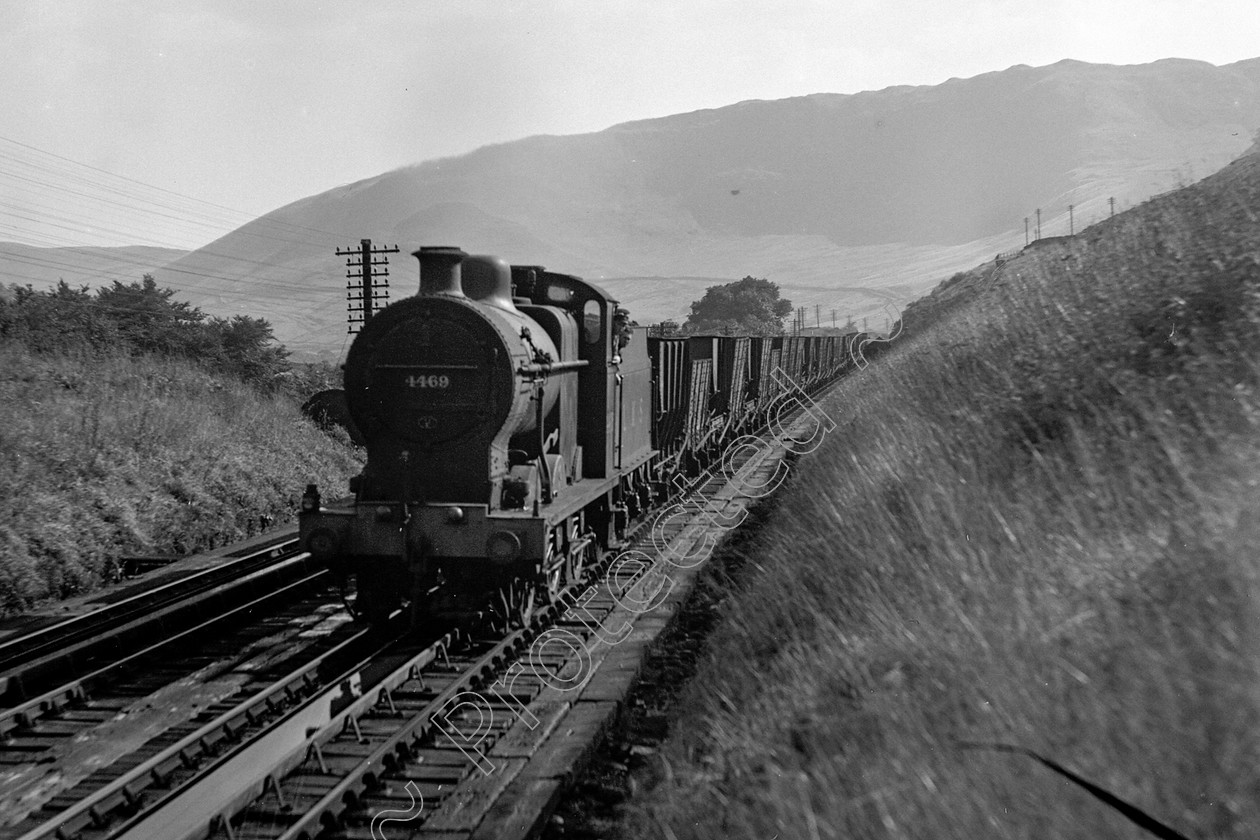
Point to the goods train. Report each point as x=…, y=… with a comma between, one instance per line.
x=516, y=424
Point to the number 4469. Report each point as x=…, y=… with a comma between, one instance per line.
x=433, y=380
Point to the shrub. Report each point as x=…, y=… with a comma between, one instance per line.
x=139, y=318
x=110, y=455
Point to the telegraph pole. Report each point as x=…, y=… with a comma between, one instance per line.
x=1112, y=202
x=817, y=316
x=1071, y=221
x=1038, y=222
x=367, y=291
x=1025, y=231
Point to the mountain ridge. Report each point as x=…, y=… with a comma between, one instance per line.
x=884, y=191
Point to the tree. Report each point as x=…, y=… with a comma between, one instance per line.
x=666, y=328
x=147, y=316
x=751, y=306
x=63, y=318
x=246, y=349
x=139, y=318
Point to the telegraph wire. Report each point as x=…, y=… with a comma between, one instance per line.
x=183, y=219
x=44, y=262
x=198, y=201
x=89, y=190
x=39, y=259
x=42, y=216
x=142, y=241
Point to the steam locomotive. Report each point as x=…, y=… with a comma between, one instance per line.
x=516, y=423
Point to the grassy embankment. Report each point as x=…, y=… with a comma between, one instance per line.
x=1039, y=525
x=104, y=457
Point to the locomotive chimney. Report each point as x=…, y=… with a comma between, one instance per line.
x=440, y=271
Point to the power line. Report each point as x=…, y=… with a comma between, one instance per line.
x=110, y=202
x=241, y=213
x=95, y=303
x=89, y=193
x=36, y=259
x=91, y=196
x=57, y=264
x=180, y=216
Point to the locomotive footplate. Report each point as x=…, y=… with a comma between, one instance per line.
x=404, y=554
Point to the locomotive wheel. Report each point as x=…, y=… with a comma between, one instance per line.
x=590, y=558
x=631, y=497
x=515, y=606
x=646, y=496
x=553, y=570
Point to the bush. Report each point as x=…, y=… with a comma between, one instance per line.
x=105, y=456
x=139, y=318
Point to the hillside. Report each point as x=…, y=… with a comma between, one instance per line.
x=847, y=201
x=850, y=202
x=43, y=267
x=1035, y=535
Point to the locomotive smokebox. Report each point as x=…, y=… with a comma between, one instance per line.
x=440, y=271
x=447, y=384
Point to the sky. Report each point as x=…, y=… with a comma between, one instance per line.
x=170, y=124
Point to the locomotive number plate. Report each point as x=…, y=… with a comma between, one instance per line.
x=431, y=381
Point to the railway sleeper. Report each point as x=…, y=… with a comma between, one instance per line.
x=377, y=727
x=438, y=774
x=427, y=762
x=346, y=748
x=394, y=790
x=305, y=786
x=45, y=730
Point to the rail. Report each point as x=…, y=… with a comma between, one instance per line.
x=31, y=660
x=57, y=635
x=422, y=733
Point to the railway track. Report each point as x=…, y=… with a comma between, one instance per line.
x=91, y=697
x=304, y=725
x=414, y=737
x=32, y=658
x=478, y=741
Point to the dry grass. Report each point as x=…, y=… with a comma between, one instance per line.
x=105, y=457
x=1039, y=524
